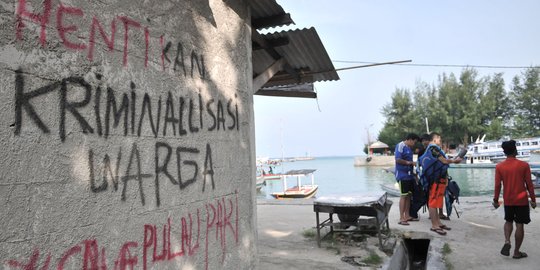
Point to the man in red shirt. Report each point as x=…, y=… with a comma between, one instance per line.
x=515, y=176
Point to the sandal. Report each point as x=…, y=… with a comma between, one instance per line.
x=506, y=249
x=403, y=223
x=444, y=227
x=438, y=230
x=443, y=217
x=520, y=255
x=413, y=219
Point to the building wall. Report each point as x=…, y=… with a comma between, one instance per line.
x=126, y=135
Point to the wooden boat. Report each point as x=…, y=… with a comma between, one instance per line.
x=299, y=191
x=266, y=170
x=272, y=176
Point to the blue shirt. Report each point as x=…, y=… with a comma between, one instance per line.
x=404, y=172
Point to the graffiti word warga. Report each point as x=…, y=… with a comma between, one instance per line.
x=187, y=164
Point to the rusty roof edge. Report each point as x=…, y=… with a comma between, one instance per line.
x=312, y=31
x=318, y=59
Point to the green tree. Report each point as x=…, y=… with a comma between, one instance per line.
x=466, y=106
x=398, y=113
x=424, y=98
x=494, y=108
x=520, y=126
x=453, y=110
x=526, y=103
x=390, y=135
x=459, y=113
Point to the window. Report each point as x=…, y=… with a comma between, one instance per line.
x=518, y=144
x=534, y=143
x=525, y=144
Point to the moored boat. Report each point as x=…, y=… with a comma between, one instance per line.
x=259, y=182
x=534, y=161
x=392, y=190
x=272, y=176
x=299, y=191
x=490, y=152
x=474, y=165
x=266, y=169
x=536, y=181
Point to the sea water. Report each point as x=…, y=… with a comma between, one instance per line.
x=338, y=175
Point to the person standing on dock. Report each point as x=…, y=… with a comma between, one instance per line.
x=426, y=140
x=438, y=180
x=418, y=195
x=515, y=176
x=405, y=175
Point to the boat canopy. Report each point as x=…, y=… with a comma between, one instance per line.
x=299, y=172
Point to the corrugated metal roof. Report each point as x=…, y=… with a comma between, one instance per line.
x=261, y=9
x=305, y=52
x=297, y=90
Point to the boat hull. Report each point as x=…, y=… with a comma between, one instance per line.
x=305, y=192
x=391, y=190
x=272, y=177
x=474, y=165
x=492, y=152
x=260, y=182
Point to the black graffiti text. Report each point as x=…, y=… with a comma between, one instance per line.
x=103, y=111
x=181, y=166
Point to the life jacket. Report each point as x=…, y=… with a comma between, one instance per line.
x=430, y=168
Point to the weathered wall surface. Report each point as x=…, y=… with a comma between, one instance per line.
x=126, y=135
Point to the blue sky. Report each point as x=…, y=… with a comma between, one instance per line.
x=459, y=32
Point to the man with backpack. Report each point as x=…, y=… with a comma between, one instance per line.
x=434, y=177
x=418, y=195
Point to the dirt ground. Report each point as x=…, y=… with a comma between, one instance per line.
x=286, y=238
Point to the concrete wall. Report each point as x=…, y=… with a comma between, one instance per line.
x=126, y=135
